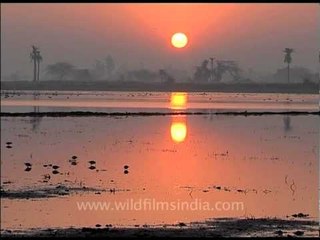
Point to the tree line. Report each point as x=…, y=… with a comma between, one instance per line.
x=105, y=68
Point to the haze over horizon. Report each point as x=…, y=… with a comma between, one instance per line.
x=138, y=35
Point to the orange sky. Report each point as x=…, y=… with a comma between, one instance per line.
x=138, y=35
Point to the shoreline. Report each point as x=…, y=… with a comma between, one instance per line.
x=298, y=88
x=220, y=227
x=119, y=114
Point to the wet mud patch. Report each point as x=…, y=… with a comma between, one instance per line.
x=223, y=227
x=126, y=114
x=52, y=191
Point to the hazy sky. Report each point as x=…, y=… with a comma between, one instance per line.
x=139, y=34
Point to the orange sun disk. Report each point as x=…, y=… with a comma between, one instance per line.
x=179, y=40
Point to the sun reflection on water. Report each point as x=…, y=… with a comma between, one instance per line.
x=178, y=128
x=178, y=100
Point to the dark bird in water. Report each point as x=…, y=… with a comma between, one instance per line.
x=298, y=233
x=28, y=164
x=126, y=166
x=55, y=172
x=92, y=162
x=92, y=167
x=74, y=157
x=28, y=169
x=46, y=176
x=55, y=167
x=126, y=172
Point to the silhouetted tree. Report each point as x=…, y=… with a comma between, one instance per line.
x=288, y=59
x=165, y=77
x=212, y=71
x=110, y=65
x=99, y=69
x=33, y=57
x=230, y=67
x=162, y=74
x=202, y=72
x=60, y=69
x=142, y=75
x=14, y=76
x=38, y=59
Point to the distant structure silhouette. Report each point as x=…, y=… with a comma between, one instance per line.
x=288, y=59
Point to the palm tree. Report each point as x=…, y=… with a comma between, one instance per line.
x=33, y=57
x=288, y=59
x=211, y=60
x=38, y=59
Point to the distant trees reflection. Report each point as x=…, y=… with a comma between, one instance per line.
x=35, y=121
x=287, y=124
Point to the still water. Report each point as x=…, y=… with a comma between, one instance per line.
x=149, y=101
x=269, y=164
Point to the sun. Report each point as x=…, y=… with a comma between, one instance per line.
x=179, y=40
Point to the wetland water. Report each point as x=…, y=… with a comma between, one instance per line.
x=267, y=164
